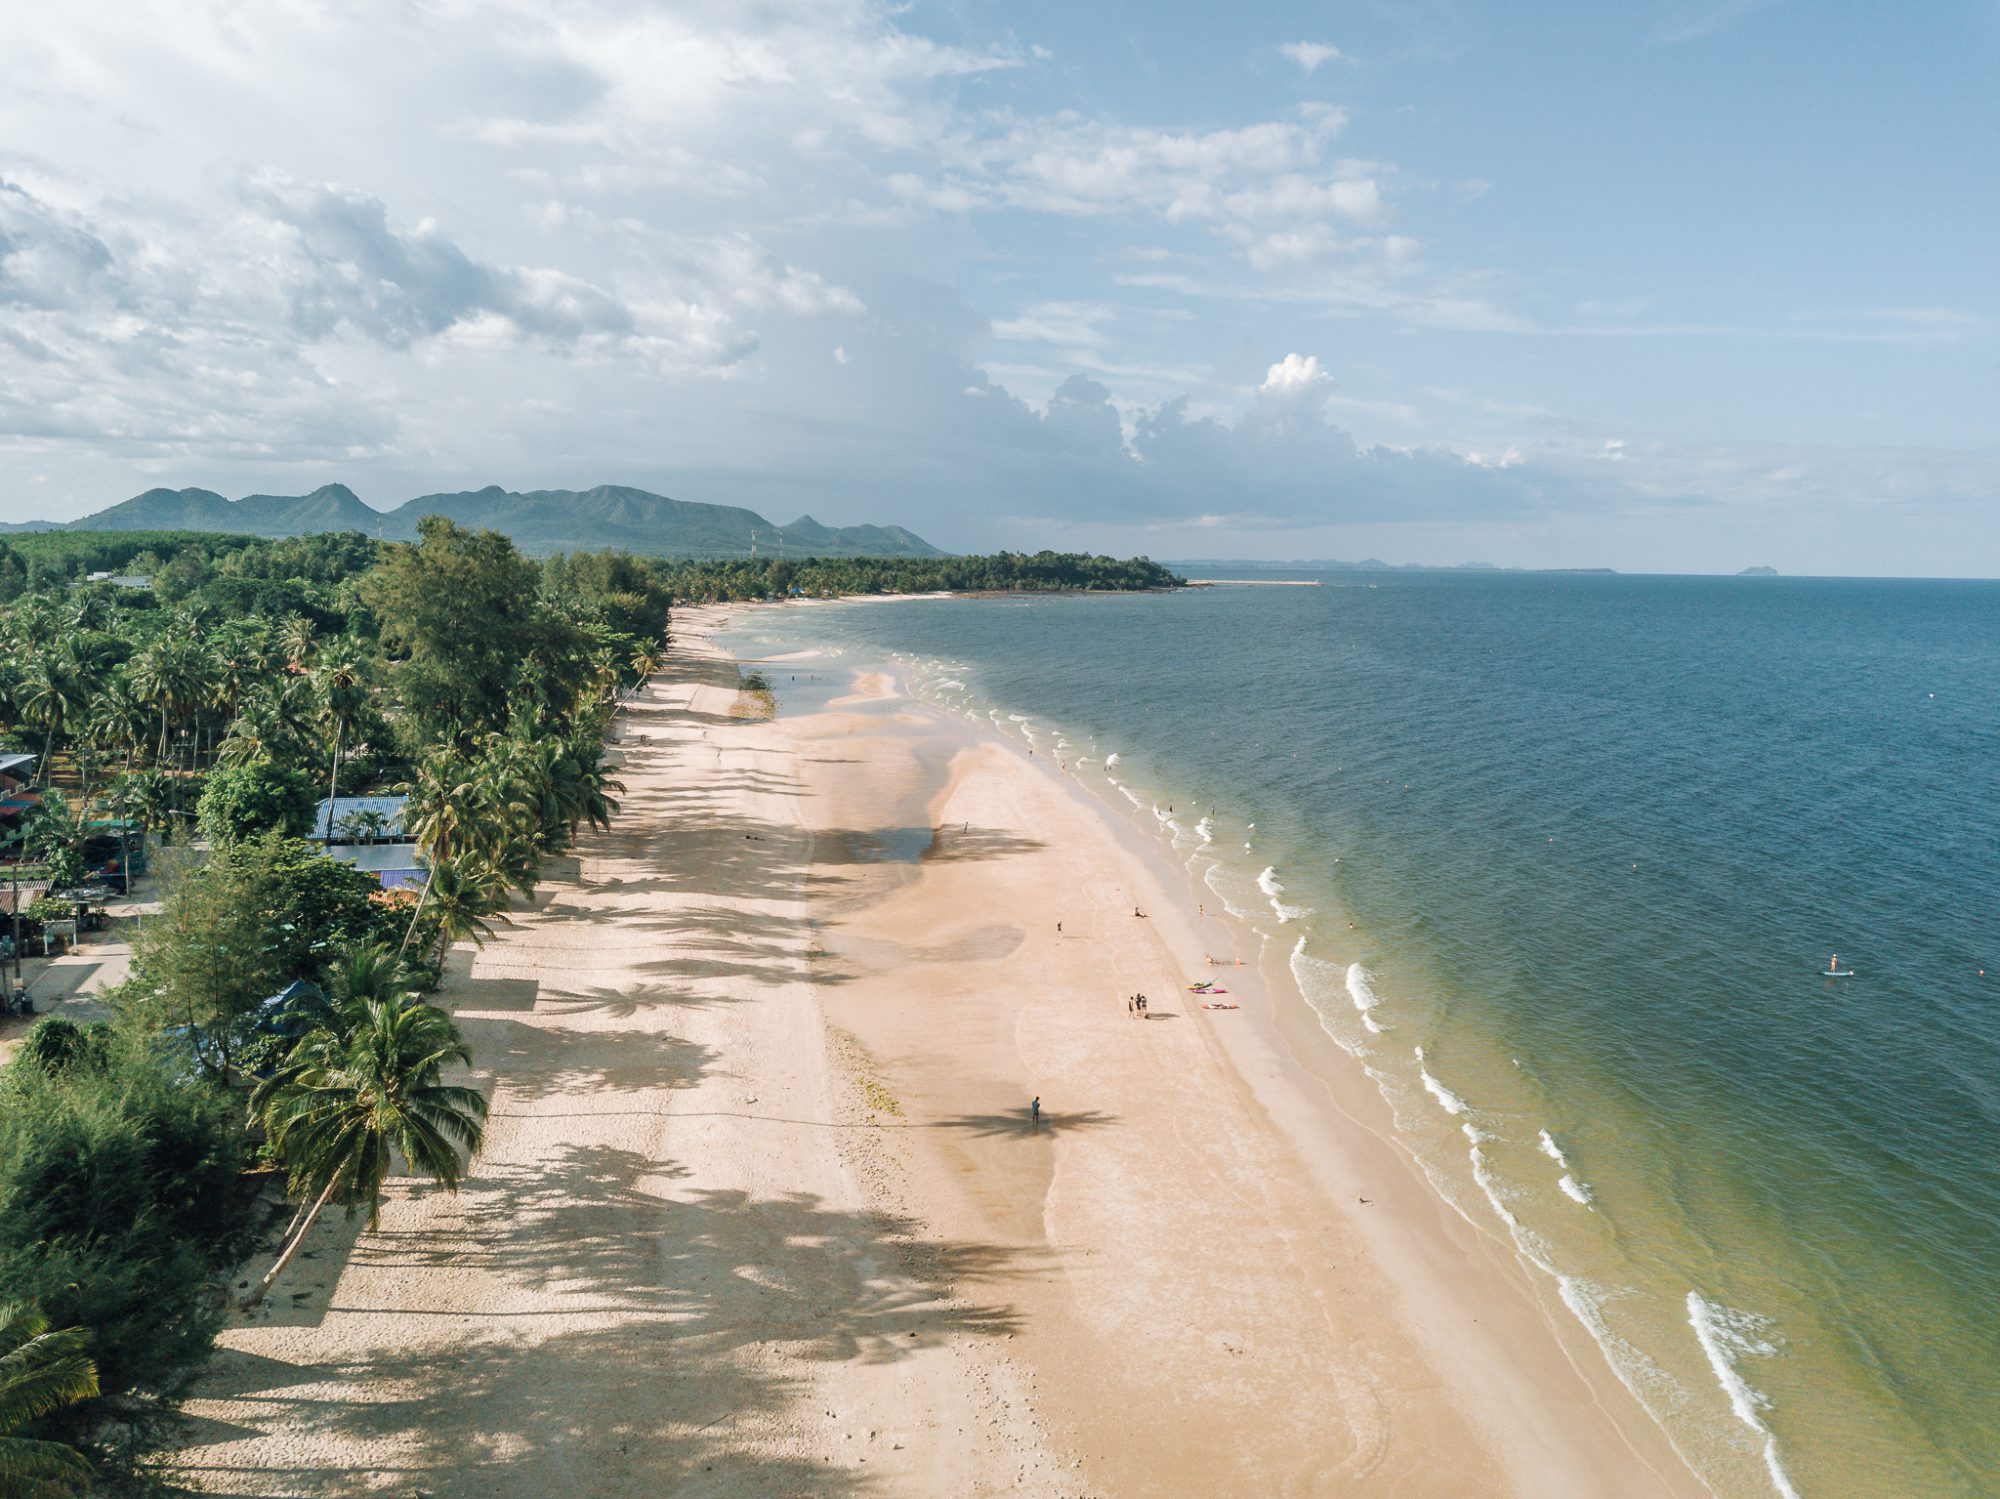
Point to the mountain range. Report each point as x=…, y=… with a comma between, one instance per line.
x=539, y=521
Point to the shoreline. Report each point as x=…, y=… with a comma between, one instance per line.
x=762, y=1210
x=1450, y=1273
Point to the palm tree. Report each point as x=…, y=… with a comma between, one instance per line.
x=364, y=826
x=117, y=720
x=297, y=638
x=460, y=893
x=343, y=1106
x=53, y=831
x=50, y=698
x=339, y=678
x=171, y=675
x=646, y=660
x=40, y=1372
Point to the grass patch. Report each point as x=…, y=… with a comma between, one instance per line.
x=879, y=1097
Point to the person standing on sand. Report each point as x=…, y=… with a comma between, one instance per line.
x=1035, y=1111
x=1058, y=928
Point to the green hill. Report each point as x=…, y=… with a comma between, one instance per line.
x=539, y=521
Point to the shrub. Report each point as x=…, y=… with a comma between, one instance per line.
x=118, y=1203
x=243, y=801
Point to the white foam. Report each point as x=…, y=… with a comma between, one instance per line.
x=1205, y=830
x=1549, y=1148
x=1112, y=758
x=1269, y=884
x=1575, y=1190
x=1448, y=1100
x=1727, y=1335
x=1362, y=994
x=1130, y=795
x=952, y=682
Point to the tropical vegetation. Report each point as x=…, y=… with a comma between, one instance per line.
x=273, y=1032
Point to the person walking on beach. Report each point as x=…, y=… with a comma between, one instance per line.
x=1035, y=1111
x=1058, y=928
x=1131, y=1005
x=1142, y=1007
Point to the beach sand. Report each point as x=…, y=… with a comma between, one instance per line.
x=762, y=1209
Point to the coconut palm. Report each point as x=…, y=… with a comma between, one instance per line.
x=646, y=660
x=239, y=656
x=50, y=697
x=298, y=638
x=340, y=679
x=439, y=812
x=460, y=894
x=343, y=1106
x=117, y=719
x=172, y=676
x=40, y=1372
x=364, y=826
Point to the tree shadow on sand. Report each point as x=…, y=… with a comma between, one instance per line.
x=646, y=1368
x=1019, y=1124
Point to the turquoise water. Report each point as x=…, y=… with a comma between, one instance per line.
x=1558, y=861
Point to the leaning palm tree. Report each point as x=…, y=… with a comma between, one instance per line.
x=460, y=894
x=40, y=1372
x=344, y=1105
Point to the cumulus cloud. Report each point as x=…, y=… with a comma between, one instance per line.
x=1310, y=56
x=1295, y=375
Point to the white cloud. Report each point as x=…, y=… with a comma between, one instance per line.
x=1310, y=55
x=1294, y=375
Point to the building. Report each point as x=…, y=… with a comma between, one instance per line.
x=368, y=832
x=360, y=819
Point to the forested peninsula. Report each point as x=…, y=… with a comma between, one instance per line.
x=225, y=712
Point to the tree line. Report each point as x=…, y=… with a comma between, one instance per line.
x=273, y=1029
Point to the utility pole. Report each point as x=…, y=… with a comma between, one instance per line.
x=20, y=844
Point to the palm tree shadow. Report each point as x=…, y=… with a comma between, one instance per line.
x=1019, y=1124
x=635, y=1357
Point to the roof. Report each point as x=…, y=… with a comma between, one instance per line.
x=13, y=762
x=389, y=808
x=374, y=858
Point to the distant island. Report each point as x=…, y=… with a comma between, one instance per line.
x=539, y=521
x=1758, y=572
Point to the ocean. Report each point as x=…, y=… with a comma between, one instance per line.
x=1561, y=862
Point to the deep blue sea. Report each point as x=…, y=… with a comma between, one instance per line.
x=1560, y=860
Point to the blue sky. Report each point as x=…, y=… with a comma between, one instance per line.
x=1659, y=286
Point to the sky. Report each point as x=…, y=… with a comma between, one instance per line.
x=1666, y=285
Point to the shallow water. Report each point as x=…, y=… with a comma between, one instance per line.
x=1558, y=860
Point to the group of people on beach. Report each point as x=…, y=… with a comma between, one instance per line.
x=1135, y=1005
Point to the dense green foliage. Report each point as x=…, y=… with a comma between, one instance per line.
x=253, y=678
x=119, y=1199
x=251, y=797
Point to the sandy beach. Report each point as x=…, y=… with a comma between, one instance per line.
x=763, y=1210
